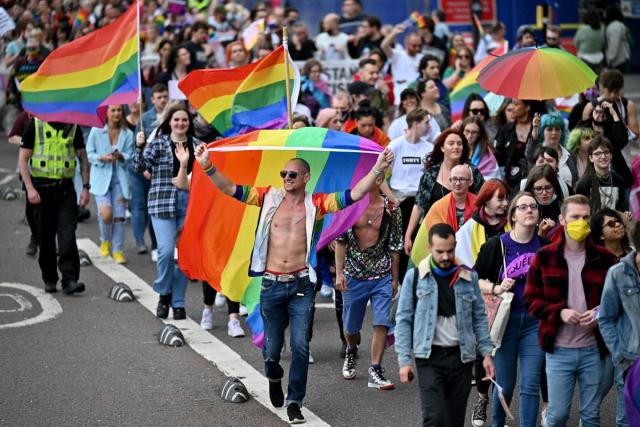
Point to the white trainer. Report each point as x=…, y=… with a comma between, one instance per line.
x=220, y=301
x=207, y=319
x=234, y=329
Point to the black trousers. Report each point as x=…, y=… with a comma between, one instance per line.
x=209, y=297
x=57, y=218
x=445, y=383
x=405, y=209
x=31, y=214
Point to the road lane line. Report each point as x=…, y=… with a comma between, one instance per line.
x=201, y=341
x=50, y=307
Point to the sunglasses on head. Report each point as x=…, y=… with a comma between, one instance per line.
x=289, y=174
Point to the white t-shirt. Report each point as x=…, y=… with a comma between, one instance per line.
x=333, y=47
x=408, y=164
x=404, y=69
x=399, y=125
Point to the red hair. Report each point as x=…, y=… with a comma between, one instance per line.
x=488, y=189
x=230, y=46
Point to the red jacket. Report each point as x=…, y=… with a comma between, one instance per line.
x=546, y=291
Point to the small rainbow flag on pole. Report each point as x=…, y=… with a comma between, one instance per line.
x=239, y=100
x=251, y=33
x=78, y=81
x=219, y=232
x=415, y=20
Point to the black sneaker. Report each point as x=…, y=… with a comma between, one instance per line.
x=294, y=413
x=32, y=248
x=179, y=313
x=162, y=311
x=275, y=393
x=349, y=366
x=479, y=413
x=50, y=288
x=378, y=380
x=72, y=287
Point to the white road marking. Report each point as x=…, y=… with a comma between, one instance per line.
x=7, y=179
x=50, y=307
x=202, y=342
x=23, y=303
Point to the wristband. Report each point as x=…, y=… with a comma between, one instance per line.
x=210, y=170
x=376, y=172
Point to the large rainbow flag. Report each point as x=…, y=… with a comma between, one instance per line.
x=243, y=99
x=78, y=81
x=218, y=236
x=469, y=84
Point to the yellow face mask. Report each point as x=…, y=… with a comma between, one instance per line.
x=578, y=230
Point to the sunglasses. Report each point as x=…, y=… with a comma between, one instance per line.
x=613, y=223
x=288, y=174
x=476, y=110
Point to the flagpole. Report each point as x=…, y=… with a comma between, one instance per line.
x=285, y=43
x=139, y=67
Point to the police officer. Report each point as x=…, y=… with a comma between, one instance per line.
x=47, y=162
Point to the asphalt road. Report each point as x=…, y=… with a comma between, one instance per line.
x=99, y=363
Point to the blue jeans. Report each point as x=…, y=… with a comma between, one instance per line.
x=564, y=367
x=611, y=375
x=170, y=279
x=520, y=341
x=139, y=214
x=280, y=306
x=113, y=232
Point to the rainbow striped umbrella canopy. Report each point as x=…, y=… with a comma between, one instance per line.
x=537, y=73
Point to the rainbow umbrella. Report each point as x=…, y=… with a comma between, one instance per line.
x=537, y=73
x=469, y=84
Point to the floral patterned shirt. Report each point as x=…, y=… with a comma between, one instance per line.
x=374, y=262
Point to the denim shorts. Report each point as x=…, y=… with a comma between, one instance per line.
x=355, y=299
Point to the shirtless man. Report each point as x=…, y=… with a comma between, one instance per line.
x=283, y=253
x=367, y=265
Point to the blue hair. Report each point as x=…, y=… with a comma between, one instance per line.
x=554, y=120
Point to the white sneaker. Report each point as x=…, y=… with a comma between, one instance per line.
x=207, y=319
x=220, y=300
x=154, y=255
x=234, y=329
x=311, y=359
x=326, y=291
x=243, y=311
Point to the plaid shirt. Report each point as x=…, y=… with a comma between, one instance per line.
x=547, y=288
x=158, y=159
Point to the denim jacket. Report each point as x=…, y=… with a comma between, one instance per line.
x=619, y=316
x=414, y=331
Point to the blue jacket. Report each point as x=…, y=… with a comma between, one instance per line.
x=98, y=145
x=149, y=121
x=619, y=316
x=414, y=331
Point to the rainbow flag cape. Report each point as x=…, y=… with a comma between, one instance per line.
x=78, y=81
x=218, y=235
x=469, y=84
x=243, y=99
x=81, y=18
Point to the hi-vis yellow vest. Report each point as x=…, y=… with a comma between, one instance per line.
x=53, y=154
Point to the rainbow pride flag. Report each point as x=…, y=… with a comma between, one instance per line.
x=415, y=20
x=82, y=17
x=251, y=33
x=78, y=81
x=243, y=99
x=469, y=84
x=218, y=236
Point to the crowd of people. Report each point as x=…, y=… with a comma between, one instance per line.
x=526, y=202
